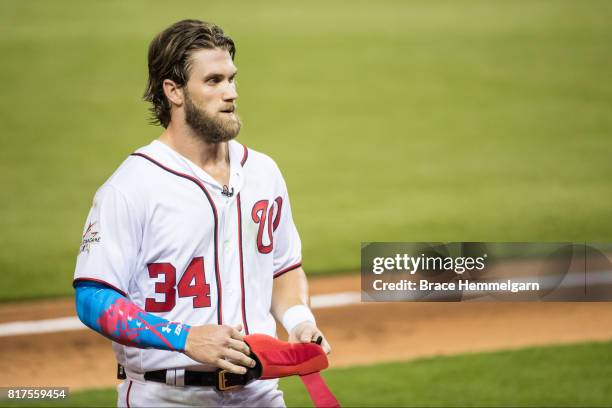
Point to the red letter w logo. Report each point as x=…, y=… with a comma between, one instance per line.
x=262, y=215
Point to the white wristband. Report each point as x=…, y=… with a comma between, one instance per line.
x=295, y=315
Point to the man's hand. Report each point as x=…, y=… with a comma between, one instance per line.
x=307, y=332
x=219, y=345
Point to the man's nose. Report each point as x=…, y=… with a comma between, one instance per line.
x=230, y=93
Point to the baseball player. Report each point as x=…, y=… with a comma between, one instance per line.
x=190, y=245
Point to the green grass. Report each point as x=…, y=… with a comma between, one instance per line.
x=559, y=376
x=392, y=121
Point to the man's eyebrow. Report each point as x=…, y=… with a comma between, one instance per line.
x=215, y=75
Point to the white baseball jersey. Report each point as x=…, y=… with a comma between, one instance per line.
x=162, y=232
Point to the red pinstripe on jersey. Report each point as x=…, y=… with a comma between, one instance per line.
x=287, y=269
x=127, y=397
x=245, y=156
x=216, y=217
x=244, y=318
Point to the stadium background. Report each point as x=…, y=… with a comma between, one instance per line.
x=392, y=121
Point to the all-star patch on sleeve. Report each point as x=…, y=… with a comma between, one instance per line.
x=90, y=237
x=111, y=238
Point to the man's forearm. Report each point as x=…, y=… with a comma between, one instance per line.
x=290, y=289
x=116, y=317
x=290, y=300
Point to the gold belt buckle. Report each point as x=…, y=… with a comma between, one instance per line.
x=222, y=382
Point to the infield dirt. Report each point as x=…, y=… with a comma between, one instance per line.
x=359, y=334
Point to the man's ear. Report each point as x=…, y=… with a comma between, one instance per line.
x=173, y=92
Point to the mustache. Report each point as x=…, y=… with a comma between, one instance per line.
x=229, y=108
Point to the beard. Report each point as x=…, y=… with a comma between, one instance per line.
x=211, y=129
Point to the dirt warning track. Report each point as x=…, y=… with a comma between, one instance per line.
x=359, y=334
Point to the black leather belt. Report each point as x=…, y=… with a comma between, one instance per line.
x=221, y=379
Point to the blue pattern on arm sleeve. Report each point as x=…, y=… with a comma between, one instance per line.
x=116, y=317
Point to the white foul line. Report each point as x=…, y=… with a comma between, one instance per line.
x=335, y=300
x=41, y=326
x=71, y=323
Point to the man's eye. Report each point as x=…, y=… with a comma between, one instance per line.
x=213, y=81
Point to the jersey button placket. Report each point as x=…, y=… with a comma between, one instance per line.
x=226, y=253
